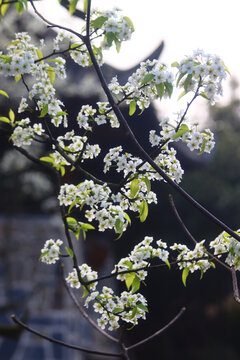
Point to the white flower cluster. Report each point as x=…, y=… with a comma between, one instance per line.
x=205, y=70
x=140, y=257
x=51, y=251
x=97, y=197
x=115, y=26
x=186, y=132
x=25, y=58
x=23, y=133
x=73, y=145
x=225, y=244
x=87, y=116
x=152, y=80
x=128, y=307
x=186, y=257
x=86, y=273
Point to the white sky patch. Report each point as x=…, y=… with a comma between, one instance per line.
x=211, y=25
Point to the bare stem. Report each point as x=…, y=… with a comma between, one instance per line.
x=235, y=285
x=166, y=327
x=191, y=236
x=70, y=346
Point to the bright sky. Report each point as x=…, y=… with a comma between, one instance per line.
x=212, y=25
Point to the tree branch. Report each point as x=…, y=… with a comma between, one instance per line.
x=70, y=346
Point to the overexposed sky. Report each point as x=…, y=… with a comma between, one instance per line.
x=212, y=25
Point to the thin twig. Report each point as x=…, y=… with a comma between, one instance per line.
x=191, y=236
x=144, y=341
x=70, y=346
x=235, y=285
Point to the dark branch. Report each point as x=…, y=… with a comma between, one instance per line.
x=70, y=346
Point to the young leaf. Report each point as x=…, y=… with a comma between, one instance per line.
x=147, y=78
x=181, y=131
x=136, y=284
x=44, y=111
x=5, y=119
x=187, y=82
x=169, y=88
x=129, y=21
x=142, y=307
x=51, y=74
x=85, y=291
x=98, y=22
x=143, y=211
x=129, y=279
x=3, y=8
x=185, y=275
x=168, y=264
x=71, y=221
x=11, y=115
x=47, y=159
x=160, y=90
x=72, y=6
x=69, y=251
x=17, y=77
x=147, y=182
x=85, y=5
x=134, y=187
x=182, y=94
x=132, y=107
x=175, y=64
x=4, y=93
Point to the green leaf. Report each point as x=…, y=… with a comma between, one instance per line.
x=19, y=6
x=98, y=22
x=147, y=182
x=169, y=88
x=4, y=93
x=182, y=94
x=85, y=5
x=168, y=264
x=185, y=275
x=43, y=254
x=62, y=170
x=160, y=90
x=72, y=6
x=71, y=221
x=142, y=307
x=127, y=218
x=11, y=115
x=212, y=265
x=136, y=284
x=187, y=82
x=134, y=187
x=143, y=211
x=147, y=78
x=181, y=75
x=85, y=292
x=3, y=9
x=132, y=107
x=204, y=95
x=47, y=159
x=17, y=77
x=5, y=119
x=39, y=54
x=202, y=146
x=175, y=64
x=44, y=111
x=69, y=251
x=86, y=227
x=117, y=310
x=226, y=68
x=129, y=279
x=181, y=131
x=51, y=74
x=129, y=21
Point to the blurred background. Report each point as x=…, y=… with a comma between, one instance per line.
x=29, y=213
